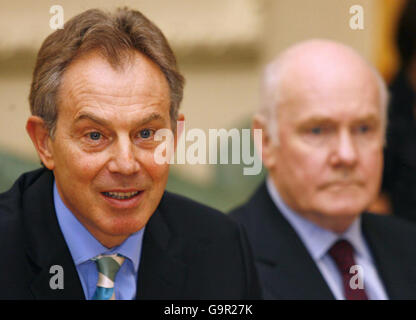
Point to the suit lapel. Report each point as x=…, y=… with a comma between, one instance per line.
x=385, y=252
x=287, y=269
x=162, y=274
x=45, y=244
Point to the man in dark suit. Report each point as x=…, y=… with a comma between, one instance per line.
x=323, y=118
x=96, y=222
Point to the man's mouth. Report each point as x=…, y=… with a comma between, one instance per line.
x=121, y=195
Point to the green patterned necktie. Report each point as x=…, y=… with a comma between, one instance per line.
x=108, y=266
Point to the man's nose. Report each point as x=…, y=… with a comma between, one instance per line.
x=124, y=160
x=345, y=152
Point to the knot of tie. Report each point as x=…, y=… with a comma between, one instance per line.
x=107, y=266
x=342, y=253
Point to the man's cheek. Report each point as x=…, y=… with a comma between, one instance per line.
x=158, y=172
x=148, y=163
x=372, y=167
x=84, y=168
x=305, y=168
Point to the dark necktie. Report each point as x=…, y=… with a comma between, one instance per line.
x=342, y=253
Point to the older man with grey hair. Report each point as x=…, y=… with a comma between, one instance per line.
x=323, y=116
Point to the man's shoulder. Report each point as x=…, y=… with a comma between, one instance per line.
x=183, y=213
x=391, y=241
x=12, y=230
x=213, y=246
x=247, y=213
x=24, y=181
x=241, y=212
x=10, y=200
x=390, y=226
x=391, y=236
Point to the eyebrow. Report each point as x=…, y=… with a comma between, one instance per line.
x=324, y=119
x=103, y=122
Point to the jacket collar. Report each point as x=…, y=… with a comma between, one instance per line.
x=162, y=273
x=45, y=244
x=281, y=255
x=398, y=276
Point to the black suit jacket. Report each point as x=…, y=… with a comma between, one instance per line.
x=287, y=271
x=189, y=251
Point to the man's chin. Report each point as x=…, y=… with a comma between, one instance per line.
x=340, y=210
x=348, y=203
x=121, y=226
x=124, y=228
x=112, y=236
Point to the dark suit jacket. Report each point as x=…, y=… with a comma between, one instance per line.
x=287, y=271
x=189, y=251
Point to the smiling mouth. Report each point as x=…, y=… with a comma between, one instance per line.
x=121, y=195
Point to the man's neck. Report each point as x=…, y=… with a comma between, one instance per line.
x=108, y=241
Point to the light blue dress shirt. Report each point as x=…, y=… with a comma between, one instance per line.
x=318, y=241
x=83, y=247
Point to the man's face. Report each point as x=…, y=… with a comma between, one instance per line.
x=104, y=142
x=328, y=163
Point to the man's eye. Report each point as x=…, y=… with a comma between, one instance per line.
x=316, y=130
x=363, y=129
x=94, y=136
x=146, y=133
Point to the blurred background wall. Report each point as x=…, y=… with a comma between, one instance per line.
x=221, y=46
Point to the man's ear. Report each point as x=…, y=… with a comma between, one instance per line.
x=268, y=145
x=39, y=135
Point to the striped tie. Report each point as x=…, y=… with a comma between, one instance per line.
x=108, y=266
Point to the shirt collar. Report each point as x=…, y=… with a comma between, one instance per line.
x=82, y=244
x=316, y=239
x=355, y=236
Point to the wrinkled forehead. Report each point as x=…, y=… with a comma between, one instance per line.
x=92, y=75
x=319, y=87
